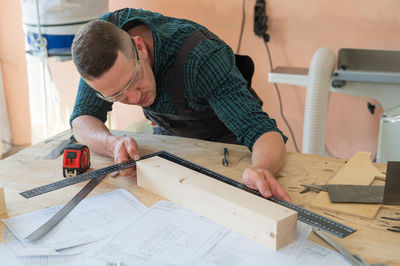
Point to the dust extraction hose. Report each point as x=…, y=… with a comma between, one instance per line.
x=317, y=96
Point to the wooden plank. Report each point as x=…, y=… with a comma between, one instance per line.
x=268, y=223
x=357, y=171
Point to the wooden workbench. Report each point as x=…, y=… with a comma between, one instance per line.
x=27, y=169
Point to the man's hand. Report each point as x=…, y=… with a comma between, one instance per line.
x=265, y=182
x=91, y=131
x=125, y=148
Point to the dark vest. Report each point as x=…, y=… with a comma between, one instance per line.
x=189, y=123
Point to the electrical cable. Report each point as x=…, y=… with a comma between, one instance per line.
x=280, y=101
x=260, y=28
x=242, y=26
x=42, y=43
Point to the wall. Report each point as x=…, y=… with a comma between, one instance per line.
x=297, y=29
x=13, y=66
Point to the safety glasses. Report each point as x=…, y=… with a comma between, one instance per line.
x=122, y=94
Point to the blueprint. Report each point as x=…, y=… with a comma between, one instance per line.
x=165, y=234
x=237, y=250
x=95, y=218
x=9, y=256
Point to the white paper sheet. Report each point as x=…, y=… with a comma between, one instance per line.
x=20, y=250
x=166, y=234
x=7, y=257
x=169, y=235
x=237, y=250
x=13, y=245
x=311, y=254
x=95, y=218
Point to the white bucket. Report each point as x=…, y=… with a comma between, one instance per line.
x=59, y=21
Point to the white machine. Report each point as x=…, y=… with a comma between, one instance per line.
x=369, y=73
x=50, y=27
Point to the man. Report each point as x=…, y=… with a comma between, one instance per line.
x=205, y=97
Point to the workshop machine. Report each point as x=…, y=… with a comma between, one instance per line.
x=370, y=73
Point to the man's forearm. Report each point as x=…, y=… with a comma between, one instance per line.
x=268, y=152
x=91, y=131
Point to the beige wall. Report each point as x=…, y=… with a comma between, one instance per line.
x=297, y=29
x=13, y=67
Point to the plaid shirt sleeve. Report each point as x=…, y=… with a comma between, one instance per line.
x=212, y=68
x=87, y=103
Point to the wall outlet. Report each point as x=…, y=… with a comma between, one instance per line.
x=260, y=20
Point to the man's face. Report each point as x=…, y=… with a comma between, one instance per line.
x=127, y=81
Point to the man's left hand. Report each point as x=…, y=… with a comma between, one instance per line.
x=265, y=182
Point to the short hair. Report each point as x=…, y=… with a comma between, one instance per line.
x=95, y=48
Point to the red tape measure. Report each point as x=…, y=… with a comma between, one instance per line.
x=76, y=159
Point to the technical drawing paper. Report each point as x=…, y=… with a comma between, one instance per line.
x=20, y=250
x=7, y=256
x=165, y=234
x=237, y=250
x=13, y=245
x=95, y=218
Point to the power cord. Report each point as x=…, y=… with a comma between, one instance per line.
x=241, y=27
x=260, y=28
x=280, y=102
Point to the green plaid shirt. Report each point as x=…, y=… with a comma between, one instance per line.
x=212, y=79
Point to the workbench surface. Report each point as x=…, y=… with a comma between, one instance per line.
x=27, y=169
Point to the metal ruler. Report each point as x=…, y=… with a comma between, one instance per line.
x=64, y=211
x=305, y=216
x=59, y=149
x=353, y=258
x=80, y=178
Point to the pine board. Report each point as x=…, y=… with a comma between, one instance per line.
x=268, y=223
x=357, y=171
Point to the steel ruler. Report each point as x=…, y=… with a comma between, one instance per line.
x=354, y=259
x=64, y=211
x=305, y=216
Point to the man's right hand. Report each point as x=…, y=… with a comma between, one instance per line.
x=91, y=131
x=125, y=148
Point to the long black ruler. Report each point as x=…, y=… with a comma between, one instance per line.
x=305, y=216
x=81, y=178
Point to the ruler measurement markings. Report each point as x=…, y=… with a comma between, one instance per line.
x=304, y=215
x=64, y=211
